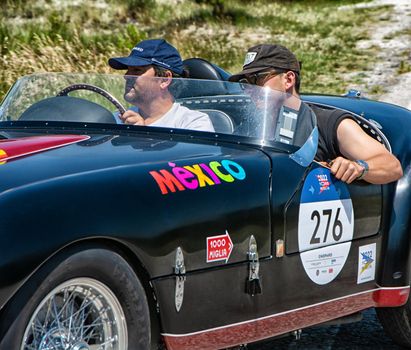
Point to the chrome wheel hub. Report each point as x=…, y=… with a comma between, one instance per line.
x=55, y=338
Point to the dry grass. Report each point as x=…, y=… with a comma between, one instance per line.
x=62, y=35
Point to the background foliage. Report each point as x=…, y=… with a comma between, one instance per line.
x=80, y=35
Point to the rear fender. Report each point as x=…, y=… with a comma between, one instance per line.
x=395, y=267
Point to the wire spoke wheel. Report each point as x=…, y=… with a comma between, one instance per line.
x=79, y=314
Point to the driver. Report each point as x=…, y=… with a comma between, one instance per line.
x=153, y=101
x=343, y=145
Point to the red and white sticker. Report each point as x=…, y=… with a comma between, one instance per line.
x=219, y=248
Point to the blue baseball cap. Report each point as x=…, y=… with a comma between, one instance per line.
x=157, y=52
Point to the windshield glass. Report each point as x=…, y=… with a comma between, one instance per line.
x=259, y=114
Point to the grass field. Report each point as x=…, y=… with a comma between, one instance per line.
x=80, y=35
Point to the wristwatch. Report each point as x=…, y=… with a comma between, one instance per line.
x=365, y=168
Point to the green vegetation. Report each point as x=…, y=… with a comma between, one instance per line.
x=80, y=35
x=405, y=67
x=377, y=90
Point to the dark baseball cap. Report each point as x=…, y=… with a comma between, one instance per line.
x=265, y=56
x=157, y=52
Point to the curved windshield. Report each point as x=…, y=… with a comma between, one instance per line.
x=261, y=115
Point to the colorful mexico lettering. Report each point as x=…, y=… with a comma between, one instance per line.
x=197, y=175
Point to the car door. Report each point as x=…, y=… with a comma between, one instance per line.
x=208, y=236
x=223, y=291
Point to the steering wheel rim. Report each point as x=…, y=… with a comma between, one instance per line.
x=96, y=89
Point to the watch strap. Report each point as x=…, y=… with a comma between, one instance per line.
x=365, y=168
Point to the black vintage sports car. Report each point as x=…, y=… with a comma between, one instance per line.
x=131, y=237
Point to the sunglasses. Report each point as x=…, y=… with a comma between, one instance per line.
x=254, y=79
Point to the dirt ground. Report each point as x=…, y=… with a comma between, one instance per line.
x=392, y=36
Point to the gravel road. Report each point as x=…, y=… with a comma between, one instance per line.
x=392, y=36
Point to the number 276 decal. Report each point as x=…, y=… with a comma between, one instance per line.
x=325, y=226
x=328, y=216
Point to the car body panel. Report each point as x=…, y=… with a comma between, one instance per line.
x=161, y=195
x=117, y=168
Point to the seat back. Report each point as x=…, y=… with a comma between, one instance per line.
x=221, y=121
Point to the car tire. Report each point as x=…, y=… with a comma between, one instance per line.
x=97, y=298
x=396, y=322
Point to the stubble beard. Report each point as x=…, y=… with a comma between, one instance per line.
x=132, y=96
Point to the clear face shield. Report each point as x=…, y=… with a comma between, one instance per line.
x=283, y=119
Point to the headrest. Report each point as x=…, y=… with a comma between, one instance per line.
x=199, y=68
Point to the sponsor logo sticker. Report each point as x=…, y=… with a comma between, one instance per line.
x=192, y=177
x=219, y=247
x=366, y=263
x=323, y=182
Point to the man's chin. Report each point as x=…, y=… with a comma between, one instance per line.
x=130, y=97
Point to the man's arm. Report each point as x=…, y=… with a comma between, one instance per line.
x=354, y=145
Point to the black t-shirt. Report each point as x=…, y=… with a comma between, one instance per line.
x=328, y=121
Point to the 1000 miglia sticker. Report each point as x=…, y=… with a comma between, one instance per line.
x=192, y=177
x=325, y=226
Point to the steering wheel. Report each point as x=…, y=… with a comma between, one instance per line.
x=96, y=89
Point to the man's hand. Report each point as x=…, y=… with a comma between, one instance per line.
x=133, y=118
x=345, y=170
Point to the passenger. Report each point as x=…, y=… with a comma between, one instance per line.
x=343, y=145
x=152, y=97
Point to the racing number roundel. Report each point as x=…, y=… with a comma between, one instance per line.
x=325, y=225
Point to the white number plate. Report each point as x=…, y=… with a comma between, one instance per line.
x=325, y=226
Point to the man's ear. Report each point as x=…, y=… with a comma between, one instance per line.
x=166, y=80
x=290, y=80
